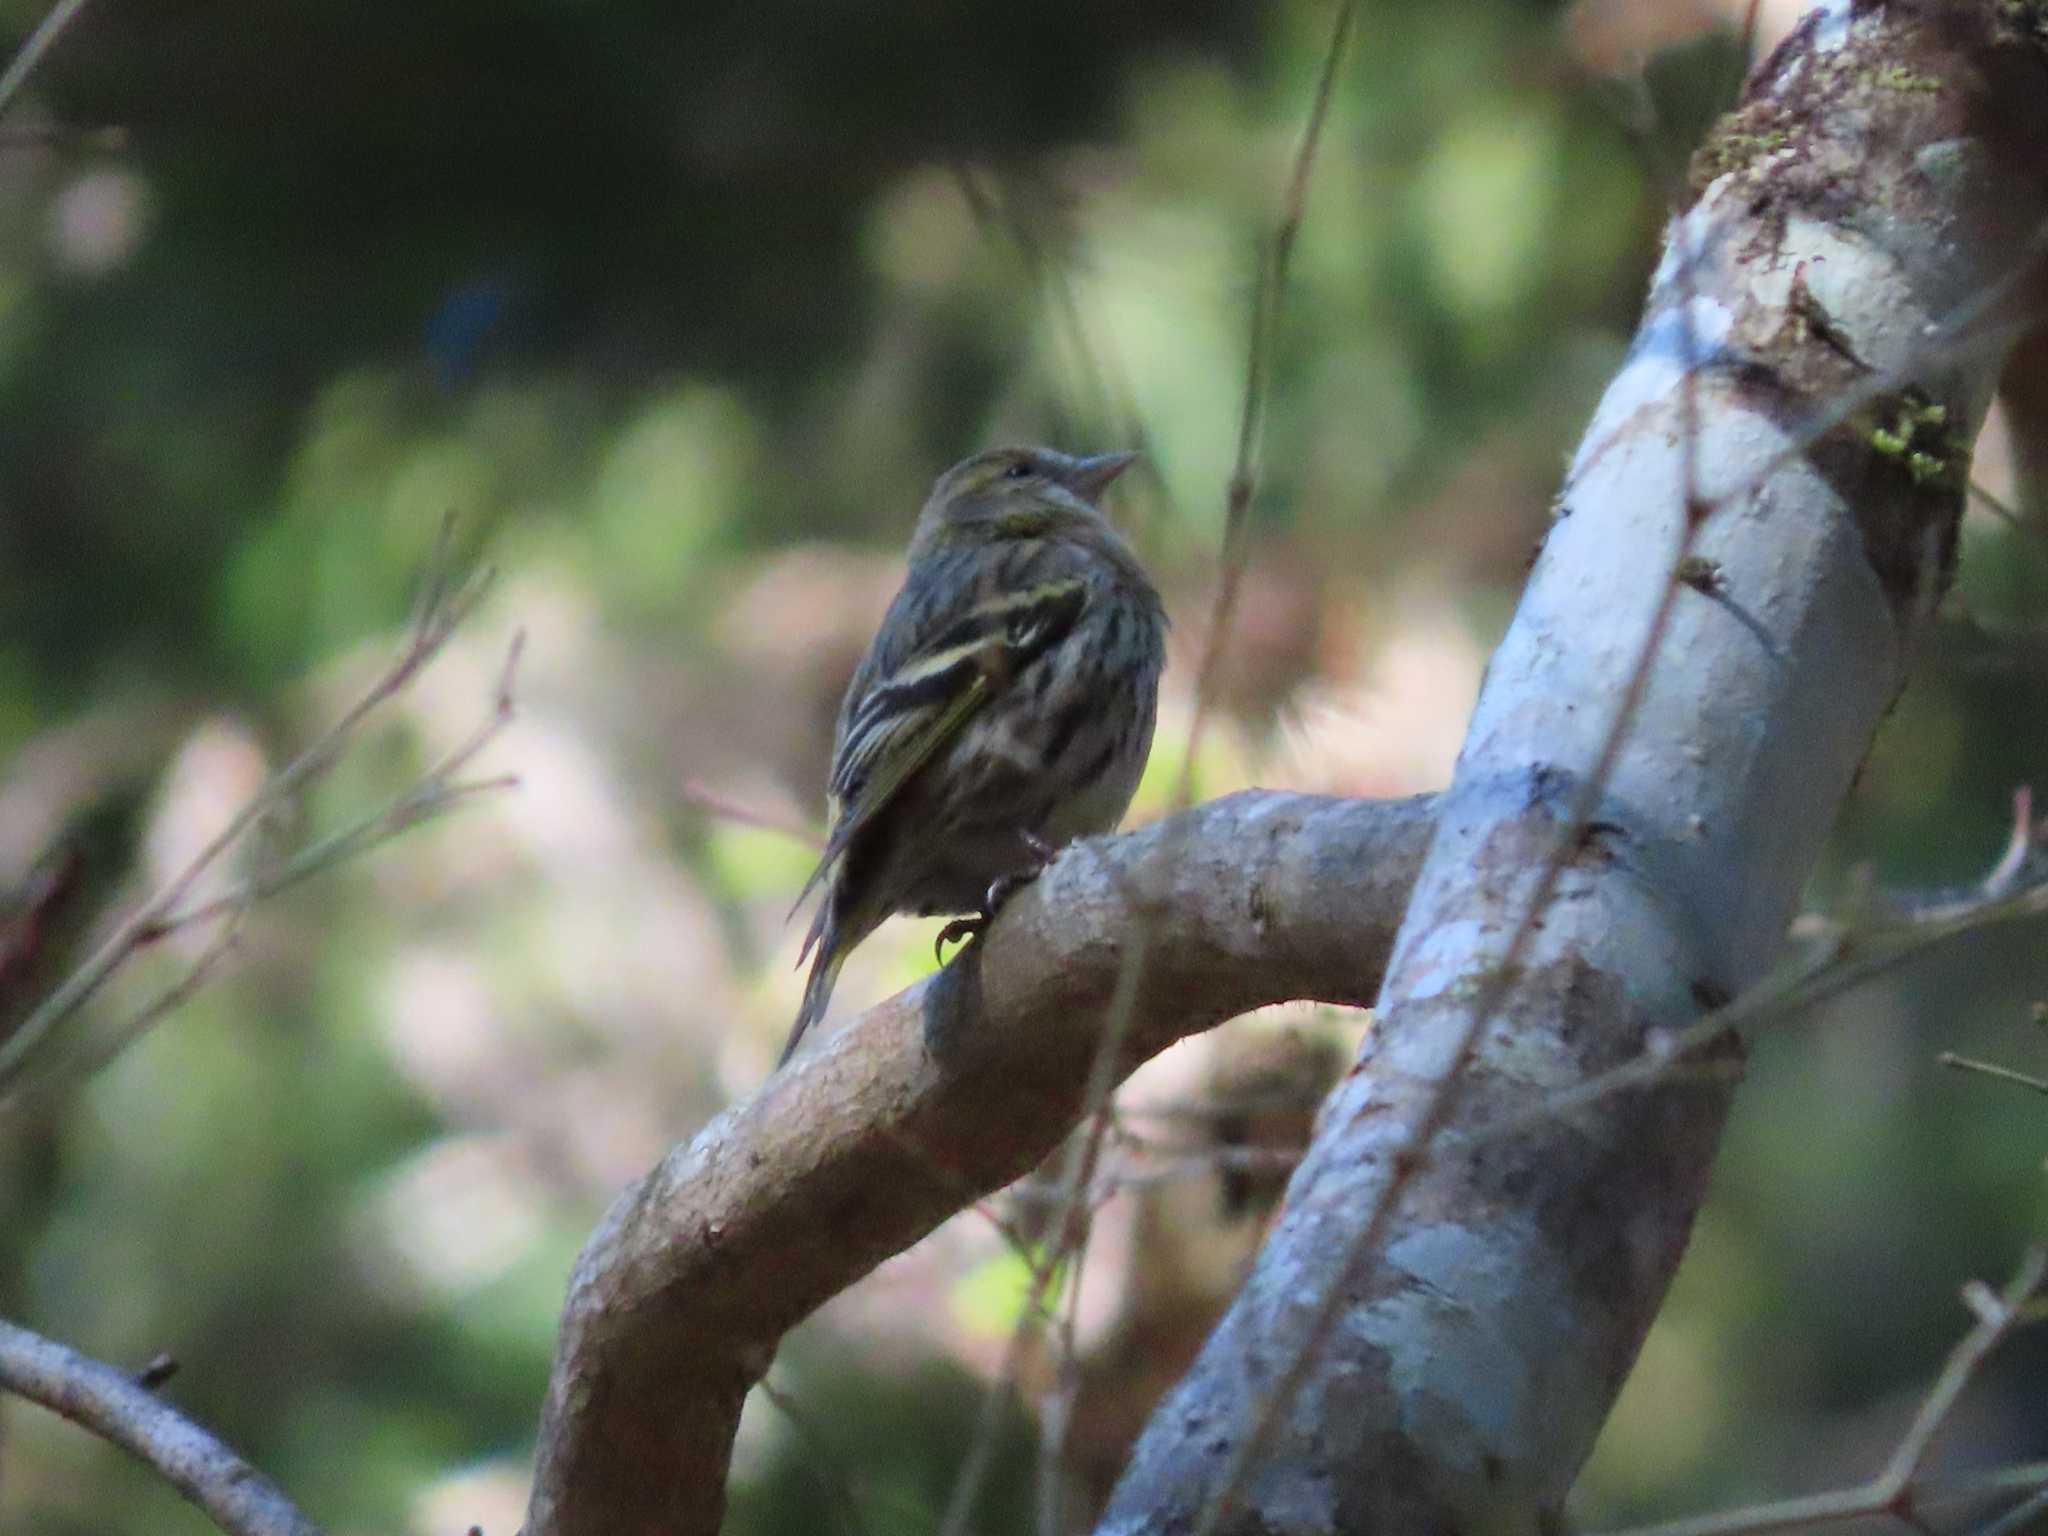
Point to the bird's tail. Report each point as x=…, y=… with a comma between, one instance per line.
x=824, y=972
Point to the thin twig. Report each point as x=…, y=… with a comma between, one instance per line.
x=1258, y=379
x=43, y=135
x=1898, y=1490
x=2020, y=845
x=1992, y=1069
x=1997, y=1316
x=444, y=605
x=1056, y=1408
x=425, y=801
x=23, y=64
x=1000, y=211
x=1104, y=385
x=1070, y=1224
x=121, y=1410
x=2004, y=511
x=722, y=807
x=1839, y=962
x=2021, y=1516
x=435, y=795
x=218, y=951
x=438, y=792
x=981, y=1449
x=24, y=932
x=826, y=1462
x=2028, y=1478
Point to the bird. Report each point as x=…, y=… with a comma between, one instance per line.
x=1004, y=707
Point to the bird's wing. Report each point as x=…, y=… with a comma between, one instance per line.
x=908, y=712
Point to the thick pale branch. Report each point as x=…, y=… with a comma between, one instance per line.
x=1749, y=543
x=927, y=1102
x=118, y=1408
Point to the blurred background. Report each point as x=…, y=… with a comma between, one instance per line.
x=678, y=310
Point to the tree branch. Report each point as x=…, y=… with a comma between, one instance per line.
x=1439, y=1322
x=929, y=1101
x=119, y=1409
x=1901, y=1488
x=1800, y=403
x=444, y=604
x=39, y=42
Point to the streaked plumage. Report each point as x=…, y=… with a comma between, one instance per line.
x=1005, y=704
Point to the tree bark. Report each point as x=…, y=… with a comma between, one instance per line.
x=1765, y=507
x=125, y=1412
x=952, y=1089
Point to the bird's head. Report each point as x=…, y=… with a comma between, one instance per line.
x=1019, y=493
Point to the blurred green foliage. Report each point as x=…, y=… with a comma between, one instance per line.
x=679, y=308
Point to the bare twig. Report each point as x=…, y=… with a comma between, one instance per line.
x=2020, y=846
x=2030, y=1479
x=218, y=951
x=2004, y=511
x=999, y=210
x=1997, y=1315
x=1077, y=1200
x=438, y=791
x=722, y=807
x=1073, y=1202
x=443, y=606
x=24, y=63
x=1843, y=958
x=1056, y=1407
x=2021, y=1516
x=122, y=1410
x=989, y=1419
x=830, y=1468
x=1898, y=1490
x=42, y=135
x=1258, y=380
x=432, y=797
x=1992, y=1069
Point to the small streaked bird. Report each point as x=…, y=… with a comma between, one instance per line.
x=1004, y=707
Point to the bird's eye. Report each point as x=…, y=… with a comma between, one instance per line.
x=1017, y=471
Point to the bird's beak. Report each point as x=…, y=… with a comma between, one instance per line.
x=1089, y=476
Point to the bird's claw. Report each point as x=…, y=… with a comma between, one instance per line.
x=1000, y=890
x=958, y=931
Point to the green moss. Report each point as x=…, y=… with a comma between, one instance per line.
x=1730, y=150
x=1896, y=77
x=1914, y=433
